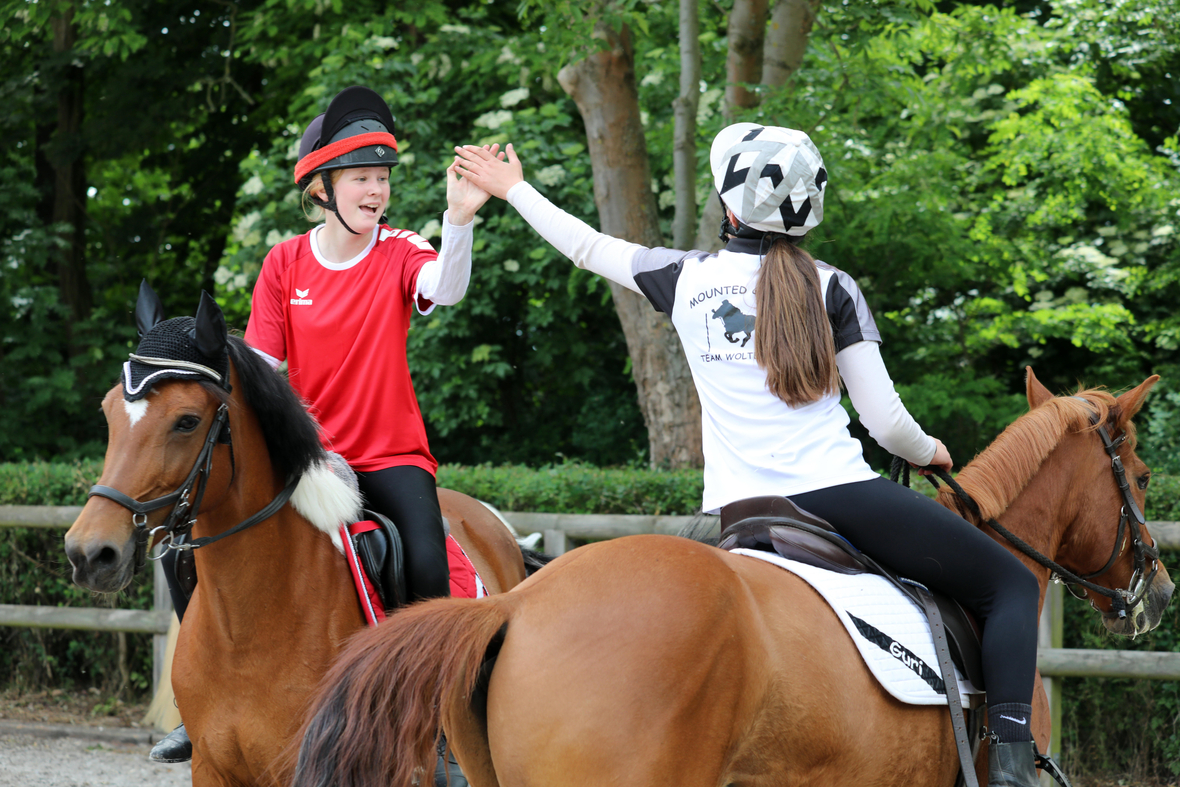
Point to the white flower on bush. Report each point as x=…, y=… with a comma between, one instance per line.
x=275, y=237
x=244, y=232
x=433, y=229
x=551, y=175
x=493, y=120
x=385, y=42
x=252, y=186
x=514, y=97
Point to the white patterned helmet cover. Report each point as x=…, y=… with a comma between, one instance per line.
x=772, y=178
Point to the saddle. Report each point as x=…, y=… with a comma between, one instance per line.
x=379, y=548
x=775, y=524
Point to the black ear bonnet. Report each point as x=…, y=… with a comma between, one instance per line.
x=185, y=348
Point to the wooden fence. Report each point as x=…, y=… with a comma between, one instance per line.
x=559, y=532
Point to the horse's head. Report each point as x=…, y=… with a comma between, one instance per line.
x=163, y=420
x=1107, y=542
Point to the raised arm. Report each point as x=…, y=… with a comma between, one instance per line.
x=585, y=246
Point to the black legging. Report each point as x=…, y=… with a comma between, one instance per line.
x=919, y=539
x=408, y=496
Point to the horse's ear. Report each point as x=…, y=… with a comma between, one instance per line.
x=1132, y=400
x=1037, y=393
x=149, y=312
x=209, y=333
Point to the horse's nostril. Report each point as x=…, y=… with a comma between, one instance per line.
x=106, y=558
x=1140, y=621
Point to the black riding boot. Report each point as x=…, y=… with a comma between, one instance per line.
x=1012, y=764
x=173, y=747
x=448, y=768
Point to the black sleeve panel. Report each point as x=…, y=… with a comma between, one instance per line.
x=656, y=272
x=851, y=319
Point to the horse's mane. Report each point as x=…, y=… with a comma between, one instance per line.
x=293, y=441
x=1002, y=470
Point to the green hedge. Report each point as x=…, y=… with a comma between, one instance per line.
x=1118, y=727
x=571, y=488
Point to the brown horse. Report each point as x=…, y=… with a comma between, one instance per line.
x=659, y=660
x=274, y=603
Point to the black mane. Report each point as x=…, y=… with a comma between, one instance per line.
x=292, y=436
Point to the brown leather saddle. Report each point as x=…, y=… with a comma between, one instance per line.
x=775, y=524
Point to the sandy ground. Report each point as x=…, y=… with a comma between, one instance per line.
x=78, y=739
x=73, y=761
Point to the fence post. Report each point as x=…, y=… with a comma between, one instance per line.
x=1049, y=636
x=162, y=603
x=556, y=542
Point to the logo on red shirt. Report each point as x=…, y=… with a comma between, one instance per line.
x=302, y=300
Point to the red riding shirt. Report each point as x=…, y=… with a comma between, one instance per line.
x=342, y=329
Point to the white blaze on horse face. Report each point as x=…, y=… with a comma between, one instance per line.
x=135, y=410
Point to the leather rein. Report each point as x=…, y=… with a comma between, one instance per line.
x=1130, y=518
x=186, y=499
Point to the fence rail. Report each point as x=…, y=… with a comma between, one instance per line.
x=557, y=530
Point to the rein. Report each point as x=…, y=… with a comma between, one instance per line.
x=1121, y=599
x=180, y=520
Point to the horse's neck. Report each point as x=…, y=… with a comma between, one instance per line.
x=283, y=564
x=1040, y=514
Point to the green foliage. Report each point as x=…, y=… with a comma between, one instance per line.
x=1123, y=728
x=48, y=483
x=577, y=488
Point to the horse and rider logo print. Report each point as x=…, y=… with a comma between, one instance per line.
x=735, y=321
x=728, y=321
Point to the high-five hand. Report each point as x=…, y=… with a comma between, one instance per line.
x=492, y=174
x=464, y=195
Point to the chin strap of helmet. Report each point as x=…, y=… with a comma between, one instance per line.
x=330, y=202
x=727, y=228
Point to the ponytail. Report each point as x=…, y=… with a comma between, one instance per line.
x=793, y=337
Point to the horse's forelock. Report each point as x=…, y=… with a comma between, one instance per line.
x=1002, y=470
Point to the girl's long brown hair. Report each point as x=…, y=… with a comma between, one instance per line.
x=793, y=337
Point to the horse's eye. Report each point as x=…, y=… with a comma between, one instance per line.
x=1142, y=480
x=187, y=423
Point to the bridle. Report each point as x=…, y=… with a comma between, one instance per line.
x=186, y=503
x=1130, y=519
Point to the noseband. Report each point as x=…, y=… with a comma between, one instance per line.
x=186, y=502
x=1130, y=518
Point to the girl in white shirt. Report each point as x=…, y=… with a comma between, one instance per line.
x=769, y=333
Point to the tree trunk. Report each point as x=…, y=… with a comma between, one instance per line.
x=743, y=64
x=603, y=87
x=786, y=40
x=684, y=137
x=69, y=183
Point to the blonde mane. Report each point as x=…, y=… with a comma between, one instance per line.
x=1002, y=470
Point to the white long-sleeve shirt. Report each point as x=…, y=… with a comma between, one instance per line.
x=754, y=443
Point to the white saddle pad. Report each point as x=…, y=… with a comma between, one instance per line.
x=889, y=629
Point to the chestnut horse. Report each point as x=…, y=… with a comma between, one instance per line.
x=274, y=603
x=659, y=660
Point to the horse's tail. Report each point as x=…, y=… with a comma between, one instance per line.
x=377, y=715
